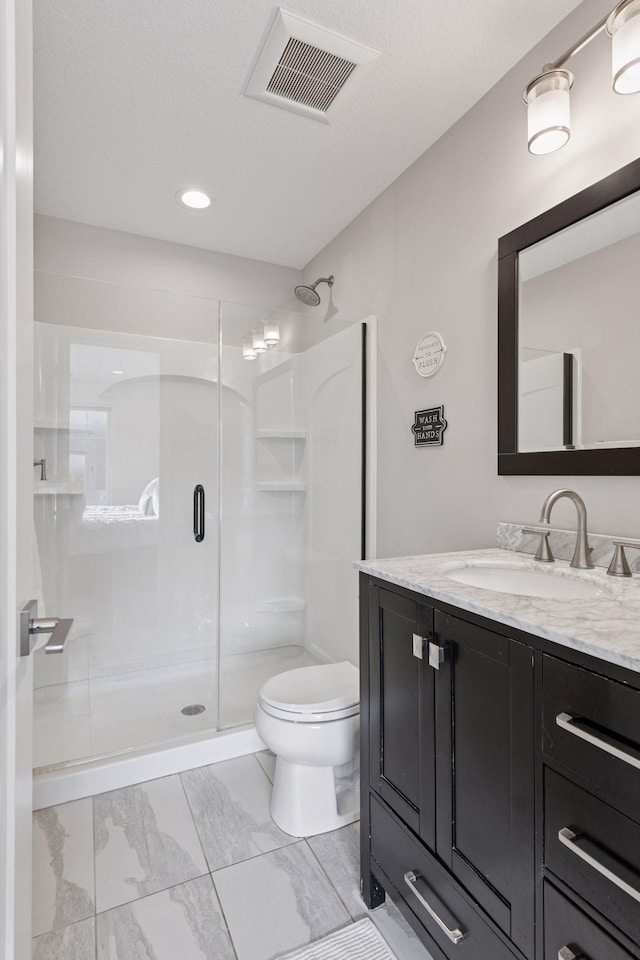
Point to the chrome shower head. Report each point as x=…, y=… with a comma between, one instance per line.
x=308, y=295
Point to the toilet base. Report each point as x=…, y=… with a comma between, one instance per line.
x=309, y=800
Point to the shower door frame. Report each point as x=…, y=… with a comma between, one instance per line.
x=16, y=372
x=95, y=776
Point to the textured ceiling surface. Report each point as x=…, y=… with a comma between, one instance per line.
x=135, y=99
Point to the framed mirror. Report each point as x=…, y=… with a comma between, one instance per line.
x=569, y=335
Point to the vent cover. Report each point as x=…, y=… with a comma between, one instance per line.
x=303, y=67
x=309, y=76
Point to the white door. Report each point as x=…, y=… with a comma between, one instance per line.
x=16, y=472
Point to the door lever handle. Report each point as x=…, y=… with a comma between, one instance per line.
x=31, y=627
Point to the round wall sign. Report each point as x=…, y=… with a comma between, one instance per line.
x=429, y=354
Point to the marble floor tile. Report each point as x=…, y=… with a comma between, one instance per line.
x=267, y=761
x=277, y=902
x=405, y=944
x=145, y=841
x=230, y=806
x=339, y=855
x=182, y=923
x=63, y=884
x=75, y=942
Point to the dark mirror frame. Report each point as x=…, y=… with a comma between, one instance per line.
x=615, y=461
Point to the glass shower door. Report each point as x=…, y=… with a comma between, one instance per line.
x=127, y=427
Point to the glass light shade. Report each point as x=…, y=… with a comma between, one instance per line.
x=257, y=338
x=624, y=28
x=271, y=333
x=549, y=111
x=248, y=353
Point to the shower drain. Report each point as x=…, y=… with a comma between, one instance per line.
x=193, y=709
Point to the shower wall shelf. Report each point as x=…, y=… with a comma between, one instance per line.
x=62, y=427
x=280, y=486
x=282, y=605
x=58, y=489
x=281, y=435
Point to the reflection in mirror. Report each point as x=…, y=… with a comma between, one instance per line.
x=579, y=336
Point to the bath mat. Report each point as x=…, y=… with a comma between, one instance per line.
x=360, y=941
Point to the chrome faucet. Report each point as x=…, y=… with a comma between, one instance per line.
x=582, y=552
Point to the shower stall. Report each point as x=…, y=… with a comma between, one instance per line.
x=196, y=512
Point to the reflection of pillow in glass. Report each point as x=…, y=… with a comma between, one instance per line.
x=149, y=502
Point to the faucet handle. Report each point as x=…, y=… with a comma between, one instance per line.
x=543, y=553
x=619, y=566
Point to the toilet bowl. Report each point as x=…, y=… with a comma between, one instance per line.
x=309, y=718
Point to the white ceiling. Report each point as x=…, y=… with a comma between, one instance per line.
x=135, y=99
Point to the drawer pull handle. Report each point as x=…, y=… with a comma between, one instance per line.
x=411, y=878
x=568, y=837
x=568, y=723
x=566, y=953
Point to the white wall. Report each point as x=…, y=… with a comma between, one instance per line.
x=79, y=250
x=423, y=256
x=333, y=403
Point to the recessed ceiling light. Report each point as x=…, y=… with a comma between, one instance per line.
x=195, y=199
x=118, y=373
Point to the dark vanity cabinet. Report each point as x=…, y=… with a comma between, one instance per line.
x=469, y=780
x=450, y=752
x=402, y=742
x=485, y=770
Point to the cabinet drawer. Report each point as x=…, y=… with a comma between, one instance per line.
x=426, y=886
x=570, y=933
x=592, y=727
x=595, y=850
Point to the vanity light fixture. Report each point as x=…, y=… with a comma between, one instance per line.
x=623, y=26
x=271, y=333
x=262, y=338
x=547, y=95
x=257, y=338
x=248, y=353
x=195, y=199
x=548, y=113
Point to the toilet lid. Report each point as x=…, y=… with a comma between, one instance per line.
x=324, y=688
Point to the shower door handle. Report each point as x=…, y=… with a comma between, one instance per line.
x=31, y=627
x=198, y=513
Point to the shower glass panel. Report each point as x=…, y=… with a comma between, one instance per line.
x=127, y=422
x=291, y=502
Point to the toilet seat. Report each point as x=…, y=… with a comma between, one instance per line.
x=315, y=694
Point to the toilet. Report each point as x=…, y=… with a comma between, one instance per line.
x=309, y=717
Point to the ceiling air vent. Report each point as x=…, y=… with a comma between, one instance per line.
x=304, y=67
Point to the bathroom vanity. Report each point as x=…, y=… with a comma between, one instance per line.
x=501, y=755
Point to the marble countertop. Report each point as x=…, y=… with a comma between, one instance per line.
x=606, y=626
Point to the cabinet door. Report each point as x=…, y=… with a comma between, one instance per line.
x=401, y=690
x=485, y=771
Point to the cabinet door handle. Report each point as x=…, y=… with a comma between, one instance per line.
x=436, y=655
x=568, y=838
x=411, y=878
x=566, y=953
x=569, y=723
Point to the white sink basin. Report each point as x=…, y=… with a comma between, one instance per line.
x=528, y=582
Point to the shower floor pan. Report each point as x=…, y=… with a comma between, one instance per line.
x=107, y=732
